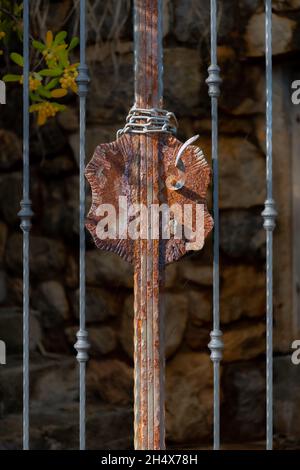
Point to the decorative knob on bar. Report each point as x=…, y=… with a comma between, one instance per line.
x=269, y=214
x=83, y=80
x=25, y=215
x=216, y=345
x=214, y=80
x=82, y=346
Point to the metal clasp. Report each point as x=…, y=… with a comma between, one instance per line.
x=171, y=180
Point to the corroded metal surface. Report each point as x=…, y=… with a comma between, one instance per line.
x=141, y=167
x=114, y=171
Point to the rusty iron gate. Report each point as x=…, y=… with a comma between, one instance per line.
x=269, y=215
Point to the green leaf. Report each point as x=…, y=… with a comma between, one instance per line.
x=59, y=38
x=33, y=107
x=20, y=35
x=12, y=78
x=35, y=97
x=59, y=93
x=18, y=9
x=58, y=106
x=43, y=92
x=52, y=84
x=38, y=45
x=63, y=58
x=17, y=58
x=55, y=72
x=74, y=42
x=52, y=64
x=37, y=76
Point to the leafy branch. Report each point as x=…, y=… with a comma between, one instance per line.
x=52, y=74
x=11, y=21
x=53, y=77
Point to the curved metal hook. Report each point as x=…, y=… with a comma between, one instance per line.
x=174, y=186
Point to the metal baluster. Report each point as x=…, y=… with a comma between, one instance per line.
x=82, y=344
x=216, y=343
x=25, y=215
x=269, y=215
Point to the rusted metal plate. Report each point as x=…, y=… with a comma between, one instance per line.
x=113, y=173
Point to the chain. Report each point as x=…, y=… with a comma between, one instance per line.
x=144, y=121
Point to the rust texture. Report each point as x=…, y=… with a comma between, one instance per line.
x=137, y=166
x=114, y=171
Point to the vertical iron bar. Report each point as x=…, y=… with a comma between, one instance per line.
x=82, y=344
x=269, y=216
x=216, y=343
x=25, y=215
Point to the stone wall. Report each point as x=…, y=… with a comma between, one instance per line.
x=54, y=245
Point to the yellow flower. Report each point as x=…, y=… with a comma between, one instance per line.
x=44, y=110
x=68, y=80
x=34, y=83
x=2, y=35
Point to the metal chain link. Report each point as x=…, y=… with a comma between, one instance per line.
x=144, y=121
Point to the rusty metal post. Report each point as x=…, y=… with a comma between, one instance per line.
x=139, y=168
x=149, y=432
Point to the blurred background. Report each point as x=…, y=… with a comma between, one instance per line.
x=54, y=150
